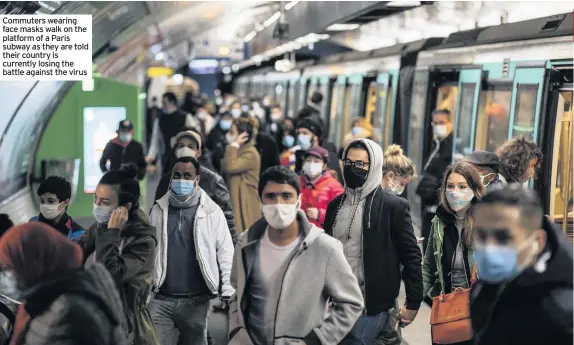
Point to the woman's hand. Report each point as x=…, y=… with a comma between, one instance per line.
x=119, y=218
x=242, y=138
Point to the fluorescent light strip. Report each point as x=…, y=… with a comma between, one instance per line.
x=291, y=5
x=342, y=27
x=403, y=3
x=250, y=36
x=272, y=19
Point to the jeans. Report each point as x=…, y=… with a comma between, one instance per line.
x=180, y=321
x=389, y=334
x=366, y=329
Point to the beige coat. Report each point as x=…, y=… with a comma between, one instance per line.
x=242, y=168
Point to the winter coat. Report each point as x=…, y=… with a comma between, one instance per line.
x=132, y=268
x=440, y=158
x=268, y=151
x=332, y=163
x=319, y=264
x=242, y=166
x=534, y=308
x=439, y=255
x=81, y=307
x=119, y=153
x=319, y=195
x=66, y=225
x=214, y=186
x=216, y=142
x=212, y=240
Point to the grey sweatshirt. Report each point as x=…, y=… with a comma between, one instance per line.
x=348, y=227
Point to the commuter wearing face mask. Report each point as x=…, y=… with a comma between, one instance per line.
x=319, y=187
x=448, y=261
x=241, y=164
x=237, y=108
x=188, y=144
x=123, y=240
x=524, y=292
x=287, y=144
x=194, y=247
x=278, y=254
x=431, y=178
x=55, y=193
x=487, y=164
x=216, y=140
x=520, y=158
x=377, y=234
x=124, y=150
x=361, y=129
x=309, y=133
x=172, y=121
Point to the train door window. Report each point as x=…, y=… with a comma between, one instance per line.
x=337, y=103
x=371, y=102
x=346, y=118
x=447, y=96
x=525, y=110
x=378, y=120
x=389, y=125
x=562, y=165
x=463, y=130
x=493, y=117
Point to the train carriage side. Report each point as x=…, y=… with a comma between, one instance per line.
x=508, y=81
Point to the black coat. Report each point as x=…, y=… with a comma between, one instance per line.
x=268, y=151
x=117, y=155
x=533, y=309
x=436, y=168
x=388, y=242
x=215, y=187
x=216, y=143
x=132, y=269
x=83, y=307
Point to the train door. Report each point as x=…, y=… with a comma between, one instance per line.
x=325, y=89
x=303, y=85
x=353, y=104
x=378, y=119
x=291, y=110
x=493, y=118
x=369, y=98
x=469, y=85
x=337, y=108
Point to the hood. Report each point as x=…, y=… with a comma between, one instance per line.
x=94, y=283
x=37, y=252
x=554, y=266
x=375, y=175
x=254, y=233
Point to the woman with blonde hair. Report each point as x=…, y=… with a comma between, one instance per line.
x=448, y=262
x=398, y=170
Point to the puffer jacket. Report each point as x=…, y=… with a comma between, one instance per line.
x=319, y=195
x=214, y=186
x=131, y=267
x=83, y=307
x=213, y=244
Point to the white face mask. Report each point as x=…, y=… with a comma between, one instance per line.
x=276, y=116
x=280, y=216
x=185, y=152
x=102, y=213
x=235, y=113
x=396, y=188
x=50, y=211
x=312, y=169
x=440, y=131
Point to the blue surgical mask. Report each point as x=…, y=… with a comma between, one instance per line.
x=182, y=187
x=225, y=125
x=125, y=137
x=288, y=141
x=235, y=113
x=304, y=141
x=102, y=213
x=356, y=130
x=495, y=264
x=458, y=200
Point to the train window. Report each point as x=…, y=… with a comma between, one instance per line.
x=324, y=89
x=333, y=114
x=347, y=109
x=378, y=116
x=525, y=110
x=388, y=137
x=493, y=117
x=446, y=98
x=463, y=130
x=292, y=108
x=562, y=165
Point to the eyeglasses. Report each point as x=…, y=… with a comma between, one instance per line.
x=501, y=236
x=356, y=164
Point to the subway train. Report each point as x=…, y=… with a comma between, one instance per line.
x=499, y=82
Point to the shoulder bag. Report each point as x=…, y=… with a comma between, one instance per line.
x=450, y=316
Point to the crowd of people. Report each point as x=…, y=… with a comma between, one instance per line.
x=301, y=241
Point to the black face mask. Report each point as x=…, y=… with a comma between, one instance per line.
x=354, y=177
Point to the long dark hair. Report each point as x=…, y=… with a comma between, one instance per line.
x=124, y=182
x=472, y=177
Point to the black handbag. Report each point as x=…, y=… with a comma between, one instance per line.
x=428, y=188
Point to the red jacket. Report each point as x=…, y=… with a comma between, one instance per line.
x=319, y=195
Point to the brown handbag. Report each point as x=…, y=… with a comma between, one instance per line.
x=450, y=316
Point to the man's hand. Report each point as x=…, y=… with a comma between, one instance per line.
x=407, y=316
x=313, y=213
x=223, y=304
x=118, y=219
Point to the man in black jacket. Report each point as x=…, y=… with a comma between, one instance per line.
x=313, y=109
x=524, y=263
x=439, y=159
x=188, y=144
x=376, y=231
x=123, y=149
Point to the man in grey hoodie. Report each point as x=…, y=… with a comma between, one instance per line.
x=292, y=270
x=377, y=234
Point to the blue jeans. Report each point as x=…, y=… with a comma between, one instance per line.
x=366, y=329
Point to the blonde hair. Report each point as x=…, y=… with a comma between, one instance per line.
x=395, y=161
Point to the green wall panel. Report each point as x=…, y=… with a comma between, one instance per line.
x=64, y=136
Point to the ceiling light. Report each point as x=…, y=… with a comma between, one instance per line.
x=177, y=79
x=403, y=3
x=272, y=19
x=291, y=5
x=250, y=36
x=160, y=56
x=257, y=58
x=342, y=27
x=235, y=67
x=225, y=51
x=226, y=70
